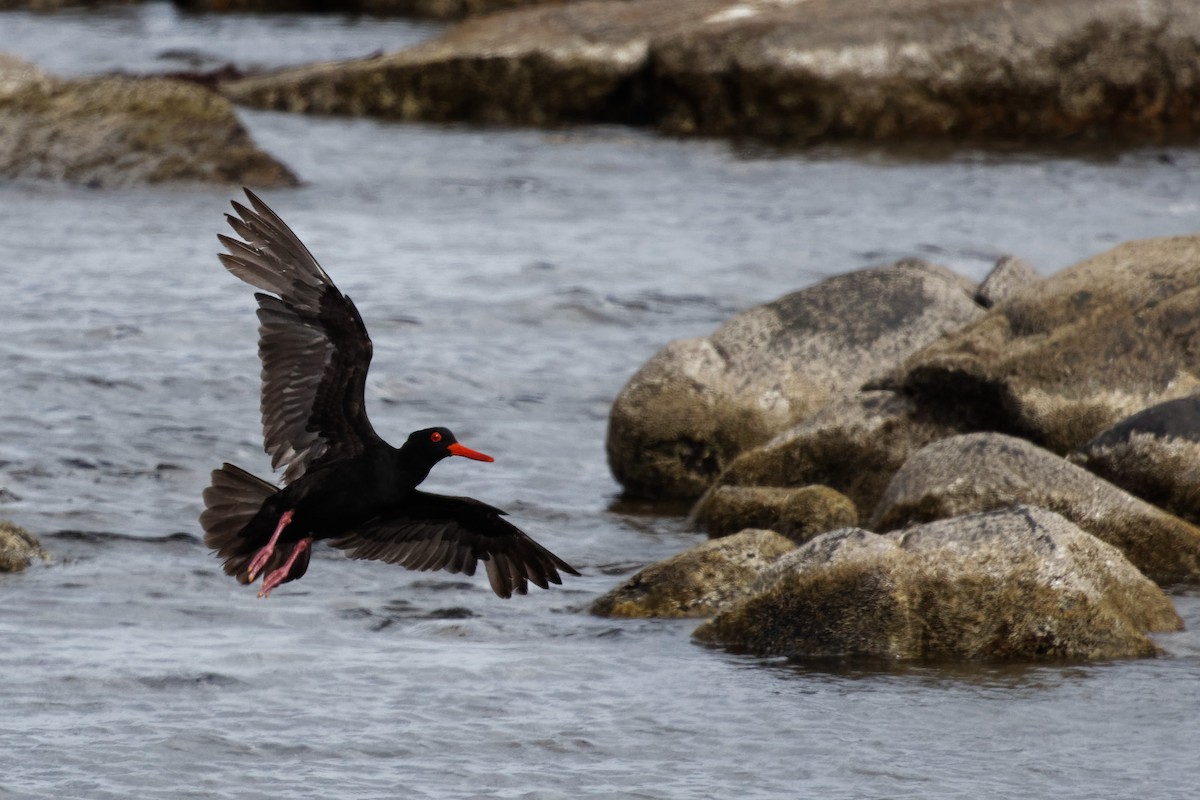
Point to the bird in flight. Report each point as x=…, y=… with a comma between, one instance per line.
x=343, y=484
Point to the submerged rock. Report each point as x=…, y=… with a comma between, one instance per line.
x=18, y=548
x=799, y=514
x=1093, y=344
x=1016, y=584
x=118, y=131
x=697, y=582
x=698, y=403
x=1155, y=454
x=982, y=471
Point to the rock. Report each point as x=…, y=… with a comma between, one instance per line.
x=431, y=9
x=878, y=70
x=548, y=65
x=981, y=471
x=18, y=548
x=1155, y=454
x=1009, y=277
x=853, y=445
x=799, y=514
x=55, y=5
x=1020, y=583
x=698, y=403
x=923, y=70
x=698, y=581
x=1095, y=343
x=118, y=131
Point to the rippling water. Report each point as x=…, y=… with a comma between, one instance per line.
x=512, y=281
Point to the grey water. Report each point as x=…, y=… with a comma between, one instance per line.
x=512, y=282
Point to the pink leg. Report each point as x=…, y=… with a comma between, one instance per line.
x=264, y=555
x=273, y=579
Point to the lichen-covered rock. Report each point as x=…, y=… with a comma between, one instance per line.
x=1155, y=454
x=117, y=131
x=1009, y=277
x=981, y=471
x=18, y=548
x=697, y=582
x=1015, y=584
x=799, y=514
x=698, y=403
x=1093, y=344
x=853, y=445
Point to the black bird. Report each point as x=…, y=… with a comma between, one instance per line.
x=343, y=483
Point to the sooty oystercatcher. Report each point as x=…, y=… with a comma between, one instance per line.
x=342, y=482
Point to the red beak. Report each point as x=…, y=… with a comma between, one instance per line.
x=457, y=449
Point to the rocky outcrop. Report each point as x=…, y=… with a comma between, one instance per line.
x=698, y=403
x=120, y=131
x=853, y=445
x=1155, y=454
x=18, y=548
x=1018, y=584
x=1093, y=344
x=875, y=70
x=431, y=9
x=697, y=582
x=981, y=471
x=799, y=514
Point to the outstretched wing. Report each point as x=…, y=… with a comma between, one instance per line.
x=432, y=531
x=314, y=348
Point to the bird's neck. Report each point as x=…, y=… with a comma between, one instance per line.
x=409, y=469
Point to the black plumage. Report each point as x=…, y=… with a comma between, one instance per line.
x=342, y=482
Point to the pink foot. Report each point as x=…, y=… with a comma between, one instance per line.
x=263, y=556
x=276, y=577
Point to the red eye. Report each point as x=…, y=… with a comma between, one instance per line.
x=435, y=437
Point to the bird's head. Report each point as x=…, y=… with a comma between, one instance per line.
x=434, y=444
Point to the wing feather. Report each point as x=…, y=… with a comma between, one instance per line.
x=436, y=532
x=314, y=347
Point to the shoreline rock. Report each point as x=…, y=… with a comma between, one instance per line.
x=698, y=581
x=954, y=71
x=690, y=410
x=120, y=131
x=1018, y=584
x=981, y=471
x=18, y=548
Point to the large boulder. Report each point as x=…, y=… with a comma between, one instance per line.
x=18, y=548
x=698, y=403
x=697, y=582
x=854, y=445
x=799, y=514
x=1091, y=345
x=581, y=62
x=118, y=131
x=1155, y=454
x=927, y=69
x=1016, y=584
x=874, y=70
x=981, y=471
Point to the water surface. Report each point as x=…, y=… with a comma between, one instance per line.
x=512, y=281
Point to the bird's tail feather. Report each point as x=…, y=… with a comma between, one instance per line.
x=231, y=504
